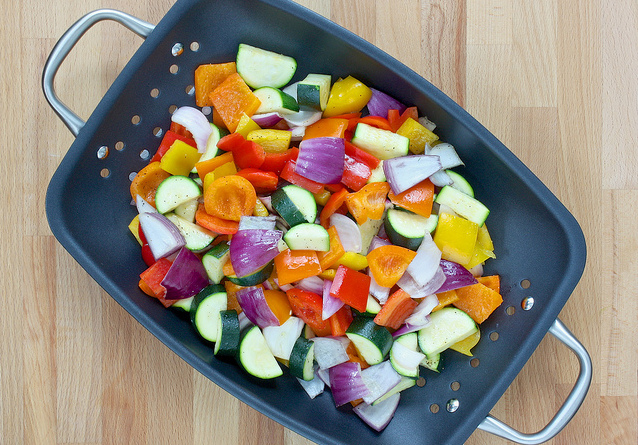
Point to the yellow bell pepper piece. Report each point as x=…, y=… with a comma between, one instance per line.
x=464, y=346
x=227, y=169
x=272, y=141
x=354, y=261
x=134, y=227
x=418, y=135
x=328, y=274
x=483, y=249
x=322, y=197
x=347, y=95
x=456, y=238
x=180, y=159
x=246, y=125
x=260, y=209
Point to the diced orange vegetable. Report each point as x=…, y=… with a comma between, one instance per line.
x=478, y=301
x=278, y=304
x=388, y=263
x=394, y=312
x=376, y=121
x=146, y=182
x=327, y=259
x=210, y=165
x=445, y=299
x=228, y=269
x=215, y=224
x=340, y=321
x=491, y=281
x=335, y=201
x=208, y=77
x=417, y=199
x=230, y=198
x=294, y=265
x=232, y=98
x=326, y=128
x=369, y=202
x=354, y=356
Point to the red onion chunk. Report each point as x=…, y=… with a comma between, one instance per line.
x=426, y=262
x=378, y=242
x=379, y=379
x=379, y=292
x=253, y=302
x=196, y=122
x=266, y=120
x=407, y=171
x=186, y=276
x=456, y=276
x=311, y=284
x=378, y=416
x=252, y=249
x=348, y=231
x=321, y=159
x=408, y=327
x=346, y=383
x=329, y=352
x=380, y=103
x=163, y=237
x=415, y=290
x=331, y=305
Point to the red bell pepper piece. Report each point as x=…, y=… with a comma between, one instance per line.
x=154, y=275
x=263, y=181
x=180, y=129
x=340, y=321
x=275, y=162
x=355, y=173
x=394, y=312
x=307, y=306
x=396, y=120
x=351, y=287
x=376, y=121
x=335, y=201
x=362, y=156
x=231, y=142
x=167, y=141
x=289, y=174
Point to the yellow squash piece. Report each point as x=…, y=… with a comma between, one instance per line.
x=347, y=95
x=419, y=135
x=456, y=238
x=180, y=159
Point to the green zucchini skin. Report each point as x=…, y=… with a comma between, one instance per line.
x=371, y=340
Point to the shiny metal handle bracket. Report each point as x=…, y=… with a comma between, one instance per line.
x=64, y=46
x=569, y=408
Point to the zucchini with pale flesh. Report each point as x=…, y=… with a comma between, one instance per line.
x=255, y=356
x=253, y=279
x=373, y=342
x=314, y=91
x=464, y=205
x=460, y=183
x=302, y=359
x=262, y=68
x=214, y=261
x=197, y=238
x=274, y=100
x=205, y=311
x=308, y=236
x=383, y=144
x=228, y=334
x=295, y=205
x=407, y=229
x=447, y=327
x=175, y=190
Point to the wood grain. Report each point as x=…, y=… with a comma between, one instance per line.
x=554, y=80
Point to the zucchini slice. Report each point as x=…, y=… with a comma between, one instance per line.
x=383, y=144
x=255, y=356
x=175, y=190
x=308, y=236
x=460, y=183
x=274, y=100
x=432, y=363
x=404, y=356
x=197, y=238
x=407, y=229
x=302, y=359
x=447, y=327
x=466, y=206
x=228, y=334
x=314, y=91
x=214, y=261
x=373, y=342
x=205, y=311
x=295, y=205
x=255, y=278
x=261, y=68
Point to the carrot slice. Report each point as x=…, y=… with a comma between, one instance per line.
x=394, y=312
x=230, y=198
x=208, y=77
x=146, y=182
x=232, y=98
x=215, y=224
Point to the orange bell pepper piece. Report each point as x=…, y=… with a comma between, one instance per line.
x=388, y=263
x=326, y=128
x=232, y=98
x=146, y=182
x=340, y=321
x=230, y=198
x=396, y=120
x=417, y=199
x=205, y=167
x=478, y=301
x=335, y=201
x=278, y=303
x=208, y=77
x=369, y=202
x=294, y=265
x=327, y=259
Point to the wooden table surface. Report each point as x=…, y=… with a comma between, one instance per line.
x=554, y=80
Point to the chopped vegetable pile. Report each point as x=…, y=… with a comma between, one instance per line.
x=315, y=226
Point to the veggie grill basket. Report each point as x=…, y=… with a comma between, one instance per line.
x=540, y=247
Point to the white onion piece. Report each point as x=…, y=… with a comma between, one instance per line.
x=329, y=352
x=281, y=339
x=447, y=155
x=324, y=375
x=257, y=222
x=244, y=322
x=143, y=206
x=283, y=287
x=420, y=314
x=407, y=171
x=427, y=260
x=378, y=416
x=441, y=179
x=379, y=379
x=408, y=284
x=477, y=270
x=427, y=123
x=331, y=305
x=348, y=231
x=313, y=387
x=163, y=237
x=196, y=122
x=297, y=133
x=379, y=292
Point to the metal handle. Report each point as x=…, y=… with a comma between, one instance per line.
x=569, y=408
x=64, y=46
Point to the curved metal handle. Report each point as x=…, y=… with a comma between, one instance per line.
x=64, y=46
x=569, y=408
